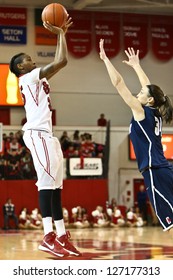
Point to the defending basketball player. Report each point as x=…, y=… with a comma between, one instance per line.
x=149, y=108
x=44, y=147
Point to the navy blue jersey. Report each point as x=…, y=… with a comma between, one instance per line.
x=146, y=139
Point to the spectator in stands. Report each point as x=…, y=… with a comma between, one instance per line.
x=26, y=166
x=2, y=165
x=11, y=135
x=64, y=141
x=19, y=137
x=80, y=218
x=14, y=146
x=87, y=147
x=9, y=213
x=102, y=120
x=100, y=218
x=71, y=151
x=76, y=139
x=13, y=171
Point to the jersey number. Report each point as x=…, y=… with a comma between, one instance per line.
x=158, y=125
x=47, y=90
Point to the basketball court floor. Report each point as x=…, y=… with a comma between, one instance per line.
x=95, y=244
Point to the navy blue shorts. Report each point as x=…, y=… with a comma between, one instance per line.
x=159, y=186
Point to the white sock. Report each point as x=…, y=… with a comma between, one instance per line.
x=47, y=225
x=60, y=227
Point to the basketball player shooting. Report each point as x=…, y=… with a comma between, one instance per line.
x=45, y=148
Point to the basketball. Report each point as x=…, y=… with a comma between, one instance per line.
x=55, y=13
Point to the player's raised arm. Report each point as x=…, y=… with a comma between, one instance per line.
x=133, y=61
x=118, y=82
x=60, y=59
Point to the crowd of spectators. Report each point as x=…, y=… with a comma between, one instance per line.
x=16, y=161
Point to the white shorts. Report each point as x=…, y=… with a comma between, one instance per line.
x=47, y=158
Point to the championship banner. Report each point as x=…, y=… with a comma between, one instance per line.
x=85, y=167
x=13, y=25
x=107, y=27
x=79, y=39
x=42, y=35
x=162, y=36
x=135, y=31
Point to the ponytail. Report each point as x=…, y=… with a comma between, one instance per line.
x=162, y=102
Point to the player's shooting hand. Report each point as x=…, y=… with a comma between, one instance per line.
x=52, y=28
x=67, y=24
x=102, y=51
x=132, y=56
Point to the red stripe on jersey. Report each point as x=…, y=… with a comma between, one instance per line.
x=37, y=93
x=48, y=169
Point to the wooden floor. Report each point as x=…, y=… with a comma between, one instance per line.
x=95, y=244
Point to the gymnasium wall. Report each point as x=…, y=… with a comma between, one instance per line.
x=86, y=193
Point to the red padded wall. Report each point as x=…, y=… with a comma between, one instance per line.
x=86, y=193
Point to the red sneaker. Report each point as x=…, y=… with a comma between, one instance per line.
x=49, y=245
x=63, y=241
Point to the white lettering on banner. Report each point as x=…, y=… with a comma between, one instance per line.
x=46, y=54
x=90, y=167
x=12, y=38
x=132, y=28
x=12, y=16
x=12, y=31
x=130, y=34
x=162, y=36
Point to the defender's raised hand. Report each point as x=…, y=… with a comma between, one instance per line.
x=102, y=51
x=132, y=56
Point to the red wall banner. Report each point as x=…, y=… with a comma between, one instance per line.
x=107, y=27
x=79, y=38
x=89, y=27
x=135, y=31
x=13, y=23
x=162, y=36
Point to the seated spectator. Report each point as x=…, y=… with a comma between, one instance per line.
x=102, y=121
x=24, y=219
x=36, y=219
x=19, y=137
x=133, y=219
x=99, y=218
x=9, y=213
x=71, y=151
x=64, y=141
x=80, y=218
x=13, y=171
x=2, y=166
x=87, y=148
x=26, y=166
x=66, y=217
x=14, y=146
x=76, y=139
x=113, y=203
x=117, y=219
